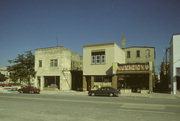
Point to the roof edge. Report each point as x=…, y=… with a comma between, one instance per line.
x=101, y=44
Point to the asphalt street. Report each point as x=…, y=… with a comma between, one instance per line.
x=37, y=107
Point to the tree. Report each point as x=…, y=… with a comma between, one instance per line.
x=22, y=68
x=2, y=77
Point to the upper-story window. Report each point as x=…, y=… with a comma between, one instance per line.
x=40, y=63
x=138, y=54
x=53, y=62
x=128, y=54
x=147, y=53
x=98, y=57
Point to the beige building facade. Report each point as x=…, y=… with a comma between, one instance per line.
x=97, y=64
x=129, y=68
x=138, y=72
x=57, y=68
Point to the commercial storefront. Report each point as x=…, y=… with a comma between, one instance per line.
x=134, y=77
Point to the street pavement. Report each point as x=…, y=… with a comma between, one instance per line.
x=71, y=92
x=77, y=106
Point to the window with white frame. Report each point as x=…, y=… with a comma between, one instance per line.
x=98, y=57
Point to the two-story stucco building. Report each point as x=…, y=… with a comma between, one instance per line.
x=58, y=68
x=129, y=68
x=138, y=71
x=97, y=64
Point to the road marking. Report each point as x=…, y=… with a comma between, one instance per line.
x=159, y=107
x=147, y=111
x=96, y=102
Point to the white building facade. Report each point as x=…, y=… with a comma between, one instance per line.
x=4, y=71
x=55, y=67
x=175, y=63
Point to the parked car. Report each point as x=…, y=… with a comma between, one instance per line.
x=29, y=89
x=104, y=91
x=6, y=84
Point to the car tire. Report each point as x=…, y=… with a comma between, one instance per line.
x=111, y=94
x=92, y=94
x=117, y=95
x=20, y=91
x=32, y=92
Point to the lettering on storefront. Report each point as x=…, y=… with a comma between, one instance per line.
x=133, y=67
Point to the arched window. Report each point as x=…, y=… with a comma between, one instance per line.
x=148, y=54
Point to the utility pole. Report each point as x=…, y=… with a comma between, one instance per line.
x=167, y=67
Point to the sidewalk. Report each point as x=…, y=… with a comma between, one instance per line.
x=153, y=95
x=85, y=93
x=136, y=95
x=68, y=92
x=178, y=94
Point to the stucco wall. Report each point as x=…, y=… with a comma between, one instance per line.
x=119, y=54
x=110, y=57
x=64, y=57
x=142, y=58
x=46, y=54
x=176, y=50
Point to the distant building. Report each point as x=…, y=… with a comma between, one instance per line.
x=58, y=68
x=4, y=71
x=165, y=75
x=175, y=63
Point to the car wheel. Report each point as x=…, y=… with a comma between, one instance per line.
x=111, y=94
x=92, y=94
x=20, y=91
x=117, y=95
x=32, y=92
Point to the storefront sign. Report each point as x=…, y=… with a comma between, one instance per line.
x=133, y=67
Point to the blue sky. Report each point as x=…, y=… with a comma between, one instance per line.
x=31, y=24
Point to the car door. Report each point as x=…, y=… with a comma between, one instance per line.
x=103, y=91
x=25, y=89
x=98, y=92
x=107, y=91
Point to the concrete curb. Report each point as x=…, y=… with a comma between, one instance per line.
x=85, y=93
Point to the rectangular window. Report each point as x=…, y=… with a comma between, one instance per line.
x=98, y=57
x=138, y=53
x=54, y=63
x=128, y=54
x=102, y=58
x=93, y=59
x=40, y=63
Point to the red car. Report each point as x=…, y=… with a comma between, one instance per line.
x=6, y=85
x=29, y=89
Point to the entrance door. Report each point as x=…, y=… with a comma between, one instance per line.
x=39, y=82
x=88, y=79
x=178, y=82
